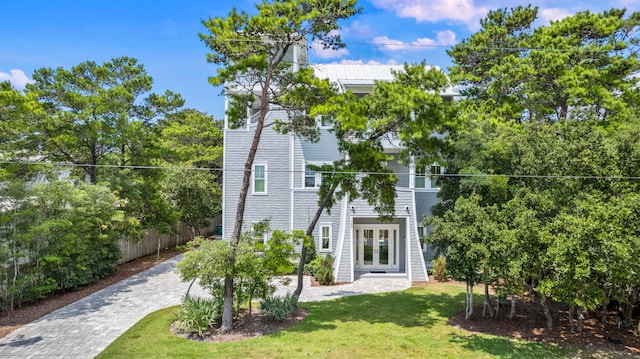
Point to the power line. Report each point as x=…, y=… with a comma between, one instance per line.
x=219, y=169
x=401, y=44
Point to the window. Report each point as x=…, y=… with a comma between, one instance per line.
x=311, y=178
x=435, y=170
x=428, y=177
x=325, y=237
x=422, y=237
x=324, y=121
x=421, y=178
x=259, y=179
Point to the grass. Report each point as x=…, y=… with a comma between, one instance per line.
x=411, y=323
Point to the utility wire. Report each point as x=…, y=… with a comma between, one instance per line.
x=441, y=175
x=459, y=45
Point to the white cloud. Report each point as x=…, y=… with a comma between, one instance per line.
x=552, y=14
x=357, y=30
x=16, y=77
x=443, y=38
x=323, y=53
x=464, y=11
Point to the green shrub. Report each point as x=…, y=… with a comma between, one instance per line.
x=324, y=273
x=439, y=269
x=279, y=308
x=198, y=314
x=312, y=267
x=312, y=254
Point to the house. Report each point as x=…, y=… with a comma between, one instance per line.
x=284, y=189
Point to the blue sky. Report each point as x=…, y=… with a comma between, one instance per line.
x=162, y=35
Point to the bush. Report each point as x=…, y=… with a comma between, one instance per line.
x=439, y=269
x=312, y=254
x=312, y=267
x=279, y=308
x=324, y=274
x=198, y=314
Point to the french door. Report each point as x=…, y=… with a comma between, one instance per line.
x=376, y=246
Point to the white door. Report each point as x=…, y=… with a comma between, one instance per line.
x=376, y=246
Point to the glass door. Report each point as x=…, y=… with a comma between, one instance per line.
x=376, y=246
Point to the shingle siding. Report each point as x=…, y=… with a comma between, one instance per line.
x=273, y=151
x=288, y=205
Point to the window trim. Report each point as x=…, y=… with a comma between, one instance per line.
x=424, y=173
x=317, y=177
x=321, y=228
x=253, y=179
x=321, y=123
x=430, y=174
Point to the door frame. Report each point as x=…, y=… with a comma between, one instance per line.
x=394, y=246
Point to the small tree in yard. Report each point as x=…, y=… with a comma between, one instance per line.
x=251, y=51
x=252, y=271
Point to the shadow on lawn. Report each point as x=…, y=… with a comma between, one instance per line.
x=504, y=347
x=409, y=308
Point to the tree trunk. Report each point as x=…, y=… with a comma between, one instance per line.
x=628, y=311
x=512, y=313
x=227, y=309
x=310, y=229
x=571, y=309
x=487, y=303
x=605, y=312
x=469, y=309
x=580, y=312
x=547, y=312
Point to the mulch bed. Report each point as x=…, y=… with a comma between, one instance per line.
x=245, y=326
x=530, y=324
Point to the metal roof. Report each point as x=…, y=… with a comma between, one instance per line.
x=365, y=75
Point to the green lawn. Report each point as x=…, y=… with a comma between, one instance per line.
x=411, y=323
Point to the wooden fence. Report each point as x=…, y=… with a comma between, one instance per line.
x=153, y=240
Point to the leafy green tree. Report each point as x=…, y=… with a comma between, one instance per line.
x=193, y=140
x=465, y=235
x=487, y=64
x=580, y=67
x=194, y=193
x=192, y=137
x=252, y=53
x=96, y=114
x=102, y=118
x=253, y=270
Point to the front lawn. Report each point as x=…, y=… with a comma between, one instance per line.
x=411, y=323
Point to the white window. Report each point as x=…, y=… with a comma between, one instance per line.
x=259, y=179
x=420, y=178
x=428, y=177
x=421, y=237
x=324, y=121
x=434, y=180
x=325, y=237
x=311, y=178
